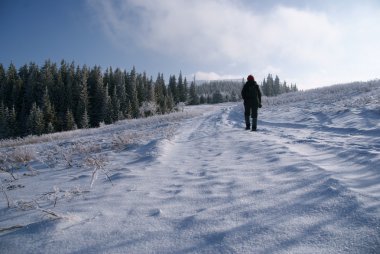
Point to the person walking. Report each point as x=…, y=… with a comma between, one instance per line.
x=252, y=101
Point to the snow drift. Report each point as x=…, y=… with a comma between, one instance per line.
x=196, y=182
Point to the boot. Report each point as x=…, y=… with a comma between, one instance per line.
x=247, y=123
x=254, y=124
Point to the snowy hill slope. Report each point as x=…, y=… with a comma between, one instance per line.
x=307, y=182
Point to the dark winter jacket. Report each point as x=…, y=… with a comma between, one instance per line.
x=251, y=94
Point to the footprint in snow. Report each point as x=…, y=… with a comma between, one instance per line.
x=155, y=212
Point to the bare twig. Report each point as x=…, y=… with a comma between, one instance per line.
x=9, y=172
x=68, y=158
x=55, y=201
x=6, y=165
x=93, y=176
x=50, y=212
x=6, y=197
x=98, y=163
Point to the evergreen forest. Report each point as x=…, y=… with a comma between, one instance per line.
x=60, y=97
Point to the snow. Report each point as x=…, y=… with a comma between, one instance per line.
x=196, y=182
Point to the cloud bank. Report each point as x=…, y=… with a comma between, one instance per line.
x=227, y=39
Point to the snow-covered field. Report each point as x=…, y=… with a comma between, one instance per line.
x=196, y=182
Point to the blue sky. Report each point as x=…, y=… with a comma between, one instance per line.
x=311, y=43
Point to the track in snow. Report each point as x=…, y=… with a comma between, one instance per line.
x=212, y=188
x=229, y=190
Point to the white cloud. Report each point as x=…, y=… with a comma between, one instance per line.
x=223, y=37
x=200, y=75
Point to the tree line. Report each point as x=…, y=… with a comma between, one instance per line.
x=219, y=91
x=60, y=97
x=53, y=98
x=273, y=87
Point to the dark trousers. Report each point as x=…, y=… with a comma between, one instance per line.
x=249, y=110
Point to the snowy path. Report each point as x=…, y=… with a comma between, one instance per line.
x=236, y=191
x=215, y=188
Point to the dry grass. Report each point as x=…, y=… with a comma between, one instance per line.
x=22, y=154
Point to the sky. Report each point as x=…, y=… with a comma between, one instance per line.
x=310, y=43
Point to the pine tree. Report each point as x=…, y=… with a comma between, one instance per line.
x=108, y=119
x=36, y=121
x=265, y=88
x=193, y=97
x=17, y=101
x=76, y=90
x=83, y=102
x=276, y=86
x=36, y=84
x=32, y=94
x=48, y=112
x=22, y=109
x=202, y=99
x=97, y=99
x=208, y=99
x=69, y=80
x=150, y=91
x=115, y=106
x=293, y=88
x=70, y=121
x=169, y=102
x=129, y=110
x=52, y=95
x=285, y=88
x=134, y=98
x=108, y=79
x=2, y=83
x=161, y=93
x=3, y=122
x=234, y=97
x=173, y=89
x=119, y=78
x=140, y=90
x=12, y=123
x=132, y=94
x=85, y=121
x=217, y=97
x=59, y=101
x=182, y=90
x=270, y=85
x=50, y=128
x=11, y=86
x=47, y=75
